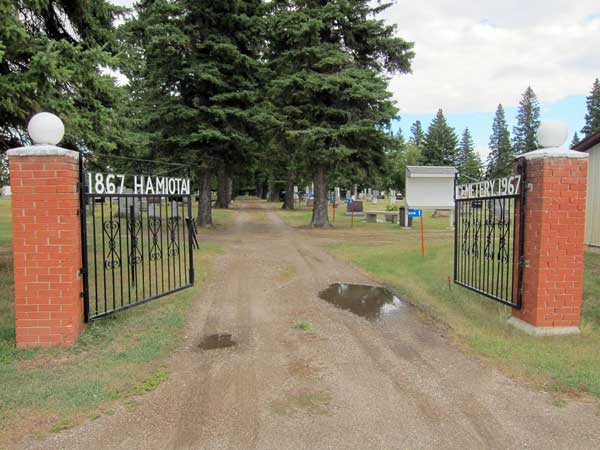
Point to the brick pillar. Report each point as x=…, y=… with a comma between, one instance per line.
x=46, y=246
x=554, y=242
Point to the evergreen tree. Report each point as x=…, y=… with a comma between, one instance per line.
x=528, y=122
x=439, y=147
x=197, y=79
x=501, y=155
x=468, y=161
x=417, y=135
x=328, y=59
x=52, y=58
x=394, y=161
x=575, y=140
x=592, y=117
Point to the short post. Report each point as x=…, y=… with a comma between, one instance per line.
x=46, y=238
x=552, y=287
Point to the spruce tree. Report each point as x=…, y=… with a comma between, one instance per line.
x=52, y=58
x=501, y=155
x=329, y=60
x=592, y=117
x=468, y=161
x=528, y=122
x=575, y=140
x=197, y=79
x=440, y=144
x=417, y=135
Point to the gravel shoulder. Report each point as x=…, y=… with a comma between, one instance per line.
x=348, y=384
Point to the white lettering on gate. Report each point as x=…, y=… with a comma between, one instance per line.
x=99, y=183
x=498, y=187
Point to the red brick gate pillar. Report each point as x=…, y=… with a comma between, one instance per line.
x=554, y=236
x=46, y=238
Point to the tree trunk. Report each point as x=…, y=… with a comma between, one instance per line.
x=264, y=190
x=229, y=189
x=274, y=190
x=319, y=214
x=222, y=188
x=259, y=189
x=288, y=201
x=235, y=187
x=204, y=201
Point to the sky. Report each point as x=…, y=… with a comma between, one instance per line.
x=472, y=55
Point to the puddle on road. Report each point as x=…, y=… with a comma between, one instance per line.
x=370, y=302
x=215, y=341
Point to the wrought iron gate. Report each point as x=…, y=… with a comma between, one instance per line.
x=137, y=246
x=488, y=237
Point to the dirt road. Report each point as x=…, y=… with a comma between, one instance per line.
x=350, y=384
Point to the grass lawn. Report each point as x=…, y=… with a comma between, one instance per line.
x=565, y=365
x=115, y=358
x=300, y=217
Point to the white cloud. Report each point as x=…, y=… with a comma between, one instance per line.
x=472, y=55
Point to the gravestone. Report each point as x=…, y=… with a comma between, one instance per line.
x=125, y=203
x=154, y=204
x=356, y=207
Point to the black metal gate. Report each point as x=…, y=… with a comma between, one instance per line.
x=488, y=237
x=137, y=247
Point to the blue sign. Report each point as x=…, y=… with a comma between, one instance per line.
x=348, y=201
x=415, y=212
x=330, y=197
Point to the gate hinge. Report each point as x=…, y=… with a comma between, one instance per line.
x=78, y=212
x=82, y=271
x=523, y=262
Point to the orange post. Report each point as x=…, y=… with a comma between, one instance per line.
x=422, y=238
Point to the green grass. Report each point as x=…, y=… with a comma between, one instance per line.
x=303, y=325
x=5, y=223
x=300, y=217
x=309, y=402
x=116, y=357
x=568, y=364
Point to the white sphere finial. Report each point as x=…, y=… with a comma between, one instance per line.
x=46, y=129
x=552, y=134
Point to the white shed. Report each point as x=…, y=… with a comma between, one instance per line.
x=591, y=145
